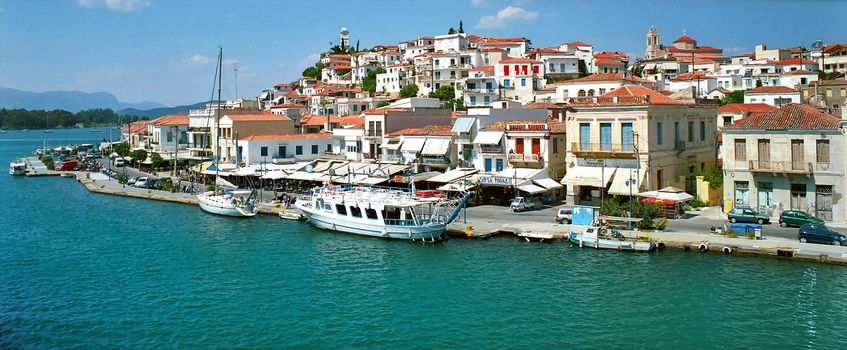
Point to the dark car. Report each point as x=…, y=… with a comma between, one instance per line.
x=811, y=233
x=748, y=215
x=797, y=218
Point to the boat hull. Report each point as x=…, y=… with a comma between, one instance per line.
x=208, y=204
x=612, y=244
x=431, y=232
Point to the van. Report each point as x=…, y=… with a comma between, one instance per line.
x=564, y=215
x=522, y=203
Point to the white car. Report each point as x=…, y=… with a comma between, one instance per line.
x=120, y=162
x=141, y=182
x=564, y=216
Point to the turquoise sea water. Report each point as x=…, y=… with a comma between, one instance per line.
x=82, y=270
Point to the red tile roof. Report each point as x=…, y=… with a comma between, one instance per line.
x=493, y=49
x=310, y=136
x=685, y=39
x=771, y=90
x=607, y=62
x=636, y=90
x=746, y=107
x=483, y=68
x=288, y=105
x=691, y=76
x=790, y=117
x=519, y=60
x=171, y=120
x=799, y=72
x=597, y=78
x=795, y=61
x=353, y=120
x=429, y=130
x=318, y=120
x=256, y=117
x=611, y=54
x=578, y=43
x=834, y=47
x=137, y=127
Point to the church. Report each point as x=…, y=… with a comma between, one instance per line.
x=683, y=49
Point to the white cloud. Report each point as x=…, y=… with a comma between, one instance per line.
x=197, y=58
x=477, y=3
x=119, y=5
x=309, y=60
x=506, y=16
x=735, y=50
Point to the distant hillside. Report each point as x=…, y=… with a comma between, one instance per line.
x=72, y=101
x=158, y=112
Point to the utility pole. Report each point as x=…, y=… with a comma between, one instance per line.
x=176, y=146
x=235, y=70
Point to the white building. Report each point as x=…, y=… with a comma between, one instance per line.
x=284, y=148
x=519, y=77
x=596, y=85
x=776, y=96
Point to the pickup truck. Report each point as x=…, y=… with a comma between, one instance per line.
x=525, y=203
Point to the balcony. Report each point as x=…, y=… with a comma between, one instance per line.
x=781, y=167
x=435, y=160
x=481, y=91
x=525, y=158
x=391, y=158
x=603, y=150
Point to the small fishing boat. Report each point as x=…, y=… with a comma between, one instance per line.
x=531, y=236
x=598, y=237
x=292, y=215
x=69, y=175
x=17, y=168
x=95, y=130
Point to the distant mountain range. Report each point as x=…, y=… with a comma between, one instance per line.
x=71, y=101
x=158, y=112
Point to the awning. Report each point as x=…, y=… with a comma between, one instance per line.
x=547, y=183
x=523, y=173
x=373, y=180
x=463, y=124
x=301, y=175
x=456, y=187
x=391, y=144
x=223, y=183
x=436, y=147
x=588, y=176
x=453, y=175
x=531, y=189
x=620, y=185
x=275, y=175
x=413, y=145
x=488, y=137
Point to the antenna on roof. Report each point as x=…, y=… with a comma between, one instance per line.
x=235, y=70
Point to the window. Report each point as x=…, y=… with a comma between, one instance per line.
x=690, y=131
x=506, y=82
x=298, y=150
x=660, y=134
x=626, y=136
x=356, y=212
x=473, y=99
x=170, y=137
x=341, y=209
x=263, y=151
x=498, y=165
x=282, y=151
x=555, y=145
x=676, y=133
x=371, y=214
x=581, y=93
x=606, y=136
x=486, y=99
x=822, y=151
x=702, y=130
x=523, y=82
x=329, y=148
x=741, y=150
x=727, y=121
x=590, y=92
x=314, y=149
x=602, y=91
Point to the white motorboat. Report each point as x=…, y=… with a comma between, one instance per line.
x=17, y=168
x=292, y=215
x=379, y=212
x=603, y=238
x=531, y=236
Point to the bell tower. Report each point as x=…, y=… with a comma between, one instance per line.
x=653, y=48
x=344, y=36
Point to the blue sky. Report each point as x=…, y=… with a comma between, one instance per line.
x=163, y=51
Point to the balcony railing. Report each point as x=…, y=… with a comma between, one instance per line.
x=481, y=91
x=436, y=160
x=525, y=158
x=392, y=158
x=626, y=148
x=787, y=167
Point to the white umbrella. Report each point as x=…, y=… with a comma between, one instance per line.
x=671, y=193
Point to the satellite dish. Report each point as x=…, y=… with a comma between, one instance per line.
x=817, y=44
x=309, y=168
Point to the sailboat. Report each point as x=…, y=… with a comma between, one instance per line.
x=226, y=199
x=47, y=124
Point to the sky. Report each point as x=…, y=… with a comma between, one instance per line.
x=165, y=50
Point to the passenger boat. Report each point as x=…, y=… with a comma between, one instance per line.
x=380, y=212
x=17, y=168
x=598, y=237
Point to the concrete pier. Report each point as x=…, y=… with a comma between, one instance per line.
x=34, y=167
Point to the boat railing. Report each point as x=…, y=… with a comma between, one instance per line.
x=399, y=222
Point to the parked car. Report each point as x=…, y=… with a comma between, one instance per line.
x=143, y=182
x=797, y=218
x=120, y=162
x=130, y=181
x=564, y=215
x=525, y=203
x=748, y=215
x=812, y=233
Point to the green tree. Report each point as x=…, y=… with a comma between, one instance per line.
x=758, y=83
x=410, y=90
x=369, y=81
x=444, y=93
x=314, y=71
x=736, y=96
x=157, y=161
x=451, y=31
x=138, y=155
x=829, y=75
x=121, y=149
x=582, y=69
x=461, y=30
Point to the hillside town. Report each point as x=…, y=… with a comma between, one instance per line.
x=563, y=124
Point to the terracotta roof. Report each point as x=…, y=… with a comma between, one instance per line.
x=611, y=54
x=596, y=77
x=556, y=127
x=794, y=61
x=136, y=127
x=518, y=60
x=746, y=107
x=171, y=120
x=353, y=120
x=636, y=90
x=493, y=49
x=578, y=43
x=770, y=90
x=799, y=72
x=607, y=62
x=309, y=136
x=500, y=125
x=685, y=39
x=429, y=130
x=790, y=117
x=256, y=117
x=483, y=68
x=834, y=47
x=288, y=105
x=291, y=93
x=691, y=76
x=318, y=120
x=546, y=50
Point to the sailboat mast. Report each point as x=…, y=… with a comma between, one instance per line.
x=218, y=117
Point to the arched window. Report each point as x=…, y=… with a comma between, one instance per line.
x=581, y=93
x=590, y=92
